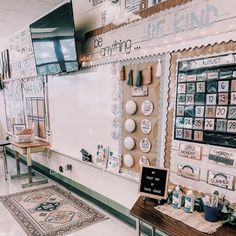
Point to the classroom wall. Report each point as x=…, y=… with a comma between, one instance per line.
x=81, y=117
x=122, y=190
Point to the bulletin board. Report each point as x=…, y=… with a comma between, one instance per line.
x=13, y=97
x=200, y=147
x=153, y=94
x=36, y=105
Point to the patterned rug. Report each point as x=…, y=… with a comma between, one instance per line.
x=50, y=211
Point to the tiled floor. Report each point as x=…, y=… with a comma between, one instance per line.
x=10, y=227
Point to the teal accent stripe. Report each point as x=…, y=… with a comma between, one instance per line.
x=98, y=199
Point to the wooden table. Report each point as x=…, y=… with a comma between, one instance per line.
x=3, y=144
x=144, y=212
x=26, y=149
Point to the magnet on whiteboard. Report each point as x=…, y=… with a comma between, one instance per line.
x=130, y=125
x=128, y=160
x=131, y=107
x=115, y=133
x=115, y=108
x=129, y=143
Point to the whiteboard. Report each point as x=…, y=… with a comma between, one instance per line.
x=80, y=111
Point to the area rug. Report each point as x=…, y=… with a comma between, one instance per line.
x=50, y=211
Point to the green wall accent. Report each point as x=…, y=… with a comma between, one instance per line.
x=98, y=199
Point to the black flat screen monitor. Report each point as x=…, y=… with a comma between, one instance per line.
x=53, y=38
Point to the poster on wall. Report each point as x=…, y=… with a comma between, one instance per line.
x=135, y=5
x=206, y=100
x=35, y=104
x=21, y=55
x=5, y=64
x=13, y=97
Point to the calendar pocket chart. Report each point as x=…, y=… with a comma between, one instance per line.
x=206, y=102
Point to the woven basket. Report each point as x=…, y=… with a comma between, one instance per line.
x=23, y=138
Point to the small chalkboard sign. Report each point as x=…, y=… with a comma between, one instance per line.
x=154, y=182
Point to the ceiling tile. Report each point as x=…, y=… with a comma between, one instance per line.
x=16, y=14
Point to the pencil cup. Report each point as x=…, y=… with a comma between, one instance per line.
x=212, y=214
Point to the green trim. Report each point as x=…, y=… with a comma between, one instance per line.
x=98, y=199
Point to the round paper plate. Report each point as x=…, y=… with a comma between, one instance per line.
x=146, y=126
x=143, y=161
x=129, y=143
x=145, y=145
x=128, y=160
x=130, y=125
x=147, y=107
x=131, y=107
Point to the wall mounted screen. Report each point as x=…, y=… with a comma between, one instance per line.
x=53, y=40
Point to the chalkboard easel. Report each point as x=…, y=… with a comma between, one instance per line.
x=154, y=183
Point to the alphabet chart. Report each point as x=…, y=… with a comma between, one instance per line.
x=206, y=100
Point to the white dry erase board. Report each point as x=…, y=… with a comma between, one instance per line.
x=154, y=182
x=80, y=111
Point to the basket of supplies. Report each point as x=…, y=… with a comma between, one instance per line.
x=25, y=136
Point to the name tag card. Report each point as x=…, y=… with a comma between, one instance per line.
x=220, y=179
x=188, y=171
x=140, y=91
x=154, y=182
x=190, y=151
x=222, y=158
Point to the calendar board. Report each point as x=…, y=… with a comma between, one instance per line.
x=206, y=100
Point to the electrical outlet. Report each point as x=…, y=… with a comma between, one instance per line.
x=61, y=169
x=69, y=167
x=65, y=167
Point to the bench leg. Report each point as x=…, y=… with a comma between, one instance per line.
x=138, y=233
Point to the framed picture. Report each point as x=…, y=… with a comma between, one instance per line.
x=17, y=128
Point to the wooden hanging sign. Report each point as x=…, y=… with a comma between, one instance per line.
x=190, y=151
x=220, y=179
x=188, y=171
x=222, y=158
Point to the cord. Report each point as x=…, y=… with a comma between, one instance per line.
x=52, y=172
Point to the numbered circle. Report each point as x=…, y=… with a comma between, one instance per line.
x=143, y=161
x=147, y=107
x=129, y=143
x=131, y=107
x=115, y=134
x=145, y=145
x=130, y=125
x=146, y=126
x=128, y=160
x=115, y=93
